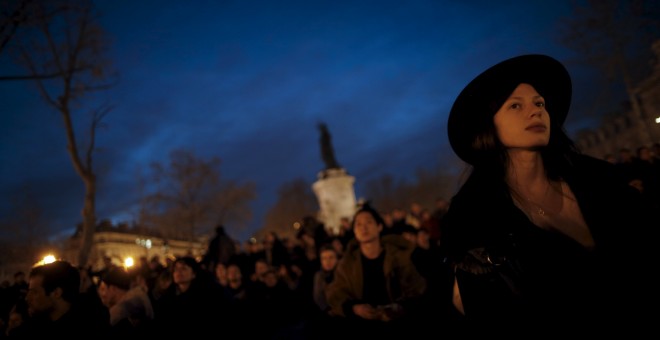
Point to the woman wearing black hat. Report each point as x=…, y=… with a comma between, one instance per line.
x=539, y=234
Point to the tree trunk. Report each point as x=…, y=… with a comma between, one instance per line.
x=89, y=219
x=67, y=46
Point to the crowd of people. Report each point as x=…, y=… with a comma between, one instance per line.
x=641, y=169
x=540, y=240
x=276, y=288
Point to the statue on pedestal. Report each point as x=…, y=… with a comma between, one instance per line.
x=334, y=187
x=326, y=148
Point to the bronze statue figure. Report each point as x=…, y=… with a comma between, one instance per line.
x=326, y=148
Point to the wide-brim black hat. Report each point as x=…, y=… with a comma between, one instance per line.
x=476, y=105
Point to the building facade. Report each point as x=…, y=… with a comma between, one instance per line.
x=628, y=129
x=121, y=245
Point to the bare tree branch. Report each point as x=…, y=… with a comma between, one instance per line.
x=64, y=60
x=53, y=75
x=615, y=36
x=191, y=196
x=9, y=26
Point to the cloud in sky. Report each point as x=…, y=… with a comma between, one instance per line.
x=247, y=81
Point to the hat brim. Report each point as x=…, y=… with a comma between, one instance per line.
x=483, y=96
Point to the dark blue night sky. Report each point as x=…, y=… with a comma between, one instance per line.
x=247, y=81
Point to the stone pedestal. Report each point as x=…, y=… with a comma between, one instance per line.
x=336, y=196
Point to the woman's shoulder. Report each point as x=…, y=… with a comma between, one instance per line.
x=477, y=197
x=591, y=169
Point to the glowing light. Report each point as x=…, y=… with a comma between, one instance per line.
x=49, y=259
x=46, y=260
x=145, y=243
x=657, y=120
x=129, y=262
x=296, y=225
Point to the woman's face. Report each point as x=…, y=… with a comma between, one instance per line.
x=523, y=122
